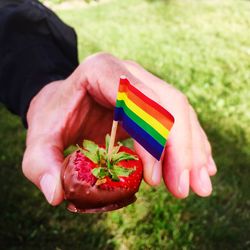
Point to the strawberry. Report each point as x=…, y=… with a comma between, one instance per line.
x=94, y=181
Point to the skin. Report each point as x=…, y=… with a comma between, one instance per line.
x=81, y=106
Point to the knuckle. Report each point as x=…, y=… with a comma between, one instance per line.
x=200, y=161
x=192, y=112
x=148, y=92
x=25, y=167
x=182, y=99
x=102, y=61
x=28, y=163
x=208, y=148
x=186, y=161
x=187, y=165
x=131, y=63
x=100, y=56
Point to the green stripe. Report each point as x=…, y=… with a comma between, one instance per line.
x=140, y=122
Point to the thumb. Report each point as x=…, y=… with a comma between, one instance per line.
x=42, y=165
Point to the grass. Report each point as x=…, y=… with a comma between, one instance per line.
x=203, y=48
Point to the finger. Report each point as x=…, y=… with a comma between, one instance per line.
x=100, y=76
x=152, y=169
x=178, y=156
x=211, y=166
x=99, y=124
x=149, y=79
x=141, y=73
x=212, y=169
x=42, y=165
x=177, y=159
x=199, y=177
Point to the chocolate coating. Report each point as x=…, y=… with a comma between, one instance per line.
x=86, y=198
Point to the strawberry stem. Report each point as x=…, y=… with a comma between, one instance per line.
x=107, y=162
x=112, y=137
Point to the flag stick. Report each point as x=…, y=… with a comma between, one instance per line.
x=112, y=137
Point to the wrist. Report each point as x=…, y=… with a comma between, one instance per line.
x=38, y=101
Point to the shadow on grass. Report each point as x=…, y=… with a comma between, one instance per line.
x=218, y=222
x=27, y=221
x=225, y=218
x=221, y=221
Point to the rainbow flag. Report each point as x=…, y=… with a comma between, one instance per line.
x=144, y=119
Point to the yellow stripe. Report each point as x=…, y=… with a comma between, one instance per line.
x=122, y=96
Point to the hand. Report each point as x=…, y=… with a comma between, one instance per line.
x=81, y=106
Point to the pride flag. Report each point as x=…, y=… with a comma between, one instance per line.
x=144, y=119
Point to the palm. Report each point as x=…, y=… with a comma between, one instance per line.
x=97, y=123
x=88, y=118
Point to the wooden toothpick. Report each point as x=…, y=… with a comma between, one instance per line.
x=112, y=137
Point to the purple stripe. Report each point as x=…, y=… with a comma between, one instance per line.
x=139, y=134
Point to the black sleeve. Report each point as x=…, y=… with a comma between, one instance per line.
x=36, y=47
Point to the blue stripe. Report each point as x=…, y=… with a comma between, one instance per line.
x=118, y=114
x=139, y=134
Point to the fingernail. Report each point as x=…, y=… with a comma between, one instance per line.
x=156, y=175
x=48, y=186
x=205, y=181
x=183, y=187
x=211, y=165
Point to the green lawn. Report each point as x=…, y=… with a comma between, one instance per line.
x=203, y=48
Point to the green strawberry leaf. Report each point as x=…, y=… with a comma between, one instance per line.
x=100, y=172
x=116, y=149
x=102, y=154
x=121, y=171
x=69, y=150
x=98, y=156
x=107, y=163
x=92, y=156
x=114, y=176
x=90, y=146
x=122, y=156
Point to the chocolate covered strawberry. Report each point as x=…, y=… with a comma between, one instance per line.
x=95, y=181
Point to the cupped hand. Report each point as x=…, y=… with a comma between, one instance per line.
x=81, y=106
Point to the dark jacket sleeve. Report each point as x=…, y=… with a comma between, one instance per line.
x=36, y=47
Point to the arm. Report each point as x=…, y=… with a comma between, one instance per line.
x=35, y=49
